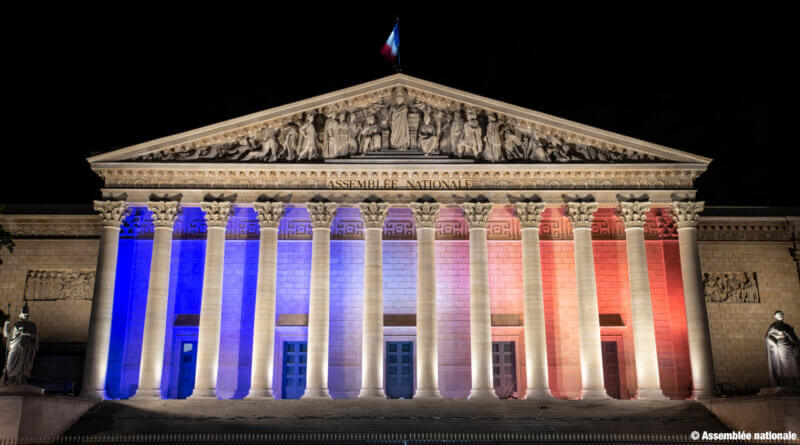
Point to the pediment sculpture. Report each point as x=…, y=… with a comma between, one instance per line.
x=397, y=122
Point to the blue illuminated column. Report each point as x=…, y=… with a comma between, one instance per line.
x=480, y=309
x=269, y=216
x=373, y=214
x=321, y=214
x=155, y=322
x=425, y=215
x=205, y=382
x=96, y=363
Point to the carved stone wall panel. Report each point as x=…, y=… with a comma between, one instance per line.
x=399, y=229
x=745, y=231
x=295, y=229
x=347, y=229
x=54, y=285
x=51, y=226
x=731, y=287
x=506, y=229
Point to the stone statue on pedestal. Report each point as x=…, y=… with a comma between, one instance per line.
x=783, y=354
x=22, y=344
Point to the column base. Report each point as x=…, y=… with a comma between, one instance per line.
x=482, y=394
x=316, y=394
x=94, y=394
x=702, y=394
x=203, y=394
x=650, y=394
x=147, y=394
x=594, y=394
x=538, y=394
x=260, y=394
x=373, y=393
x=427, y=394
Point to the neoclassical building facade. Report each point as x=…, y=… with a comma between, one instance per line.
x=404, y=239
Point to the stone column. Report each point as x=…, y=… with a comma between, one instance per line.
x=703, y=380
x=96, y=363
x=480, y=309
x=530, y=214
x=634, y=214
x=155, y=321
x=374, y=215
x=269, y=217
x=581, y=215
x=205, y=382
x=425, y=215
x=321, y=214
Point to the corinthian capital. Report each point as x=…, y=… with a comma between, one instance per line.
x=373, y=214
x=164, y=212
x=685, y=212
x=269, y=214
x=111, y=212
x=321, y=213
x=580, y=214
x=425, y=213
x=217, y=212
x=633, y=213
x=477, y=214
x=529, y=213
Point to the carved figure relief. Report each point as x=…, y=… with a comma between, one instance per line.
x=52, y=285
x=731, y=287
x=395, y=120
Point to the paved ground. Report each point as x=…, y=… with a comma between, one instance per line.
x=396, y=416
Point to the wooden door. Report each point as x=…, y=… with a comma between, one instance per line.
x=611, y=372
x=399, y=369
x=294, y=369
x=504, y=368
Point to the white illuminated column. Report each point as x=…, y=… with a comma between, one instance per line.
x=96, y=363
x=321, y=214
x=155, y=321
x=634, y=215
x=205, y=382
x=530, y=214
x=269, y=217
x=480, y=309
x=373, y=214
x=581, y=215
x=703, y=380
x=425, y=215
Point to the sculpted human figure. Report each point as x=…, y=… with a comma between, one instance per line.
x=342, y=133
x=456, y=133
x=289, y=138
x=511, y=142
x=428, y=138
x=329, y=147
x=307, y=142
x=22, y=344
x=472, y=143
x=492, y=151
x=783, y=353
x=400, y=136
x=353, y=132
x=370, y=136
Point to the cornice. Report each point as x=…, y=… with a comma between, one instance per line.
x=52, y=226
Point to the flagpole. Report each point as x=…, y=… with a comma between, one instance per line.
x=399, y=67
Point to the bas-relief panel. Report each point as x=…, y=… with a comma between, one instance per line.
x=53, y=285
x=731, y=287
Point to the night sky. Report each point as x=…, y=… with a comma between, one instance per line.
x=722, y=86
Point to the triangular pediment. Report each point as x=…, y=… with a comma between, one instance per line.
x=397, y=119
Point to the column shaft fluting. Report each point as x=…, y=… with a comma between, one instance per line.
x=634, y=215
x=425, y=215
x=480, y=318
x=593, y=384
x=372, y=359
x=319, y=301
x=269, y=214
x=99, y=339
x=155, y=321
x=205, y=382
x=702, y=363
x=536, y=370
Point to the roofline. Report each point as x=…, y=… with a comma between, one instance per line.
x=389, y=81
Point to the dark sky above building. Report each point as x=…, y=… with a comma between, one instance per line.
x=722, y=86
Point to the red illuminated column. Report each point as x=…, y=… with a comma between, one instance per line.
x=425, y=215
x=373, y=214
x=530, y=214
x=634, y=214
x=685, y=214
x=269, y=216
x=321, y=214
x=96, y=364
x=581, y=215
x=205, y=382
x=155, y=322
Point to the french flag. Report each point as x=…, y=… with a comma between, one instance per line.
x=392, y=46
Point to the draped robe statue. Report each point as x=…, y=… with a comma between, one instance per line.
x=783, y=354
x=400, y=138
x=22, y=346
x=307, y=142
